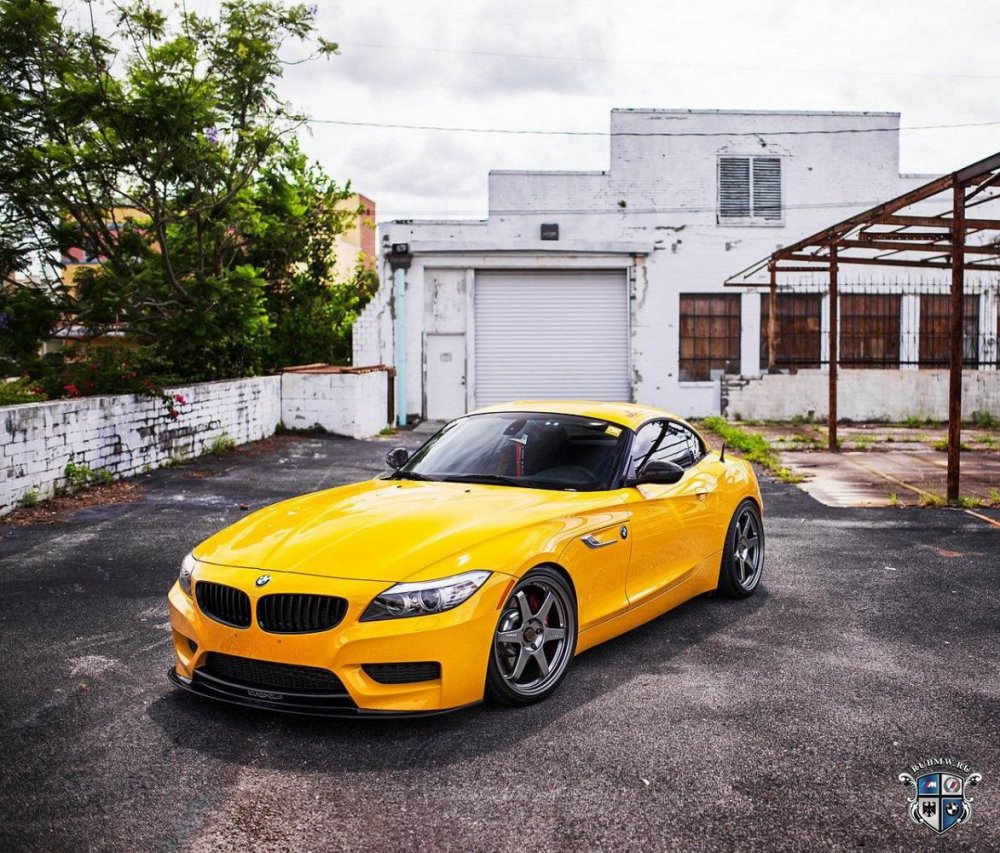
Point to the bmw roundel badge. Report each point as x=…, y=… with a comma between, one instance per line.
x=263, y=580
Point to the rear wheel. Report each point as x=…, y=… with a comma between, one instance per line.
x=535, y=639
x=743, y=554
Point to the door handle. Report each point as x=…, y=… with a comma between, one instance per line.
x=701, y=495
x=592, y=541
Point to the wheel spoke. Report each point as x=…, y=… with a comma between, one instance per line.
x=543, y=664
x=509, y=637
x=554, y=634
x=522, y=661
x=543, y=611
x=751, y=541
x=741, y=568
x=523, y=607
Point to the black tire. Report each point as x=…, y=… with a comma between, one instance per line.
x=524, y=666
x=743, y=554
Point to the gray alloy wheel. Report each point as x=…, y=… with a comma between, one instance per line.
x=535, y=639
x=743, y=554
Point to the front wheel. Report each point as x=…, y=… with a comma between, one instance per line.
x=743, y=554
x=535, y=639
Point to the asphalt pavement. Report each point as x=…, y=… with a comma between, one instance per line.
x=777, y=723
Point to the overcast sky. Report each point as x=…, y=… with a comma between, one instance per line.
x=563, y=64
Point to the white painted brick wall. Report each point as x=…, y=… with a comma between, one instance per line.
x=351, y=404
x=863, y=394
x=126, y=433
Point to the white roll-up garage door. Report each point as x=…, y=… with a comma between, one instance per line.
x=551, y=335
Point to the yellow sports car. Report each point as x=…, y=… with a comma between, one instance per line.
x=515, y=538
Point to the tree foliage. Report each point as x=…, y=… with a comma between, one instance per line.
x=162, y=147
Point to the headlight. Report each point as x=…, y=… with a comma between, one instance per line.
x=420, y=599
x=187, y=569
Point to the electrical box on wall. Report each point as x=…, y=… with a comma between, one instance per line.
x=550, y=230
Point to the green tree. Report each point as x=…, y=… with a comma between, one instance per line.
x=163, y=148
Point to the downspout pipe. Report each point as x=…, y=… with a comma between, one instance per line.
x=400, y=258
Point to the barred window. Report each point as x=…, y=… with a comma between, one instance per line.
x=709, y=335
x=935, y=336
x=750, y=190
x=798, y=331
x=869, y=330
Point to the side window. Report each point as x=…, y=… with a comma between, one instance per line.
x=646, y=440
x=678, y=445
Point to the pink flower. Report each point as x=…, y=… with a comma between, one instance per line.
x=180, y=399
x=174, y=414
x=72, y=390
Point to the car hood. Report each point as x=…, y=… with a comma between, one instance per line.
x=385, y=530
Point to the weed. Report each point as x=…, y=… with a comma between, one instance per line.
x=912, y=421
x=893, y=499
x=988, y=440
x=995, y=497
x=969, y=502
x=316, y=429
x=753, y=447
x=220, y=445
x=29, y=499
x=387, y=431
x=863, y=441
x=83, y=477
x=942, y=444
x=928, y=499
x=985, y=420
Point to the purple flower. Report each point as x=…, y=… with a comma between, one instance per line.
x=212, y=135
x=312, y=9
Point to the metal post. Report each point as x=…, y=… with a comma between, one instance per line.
x=834, y=353
x=772, y=318
x=955, y=338
x=400, y=258
x=399, y=283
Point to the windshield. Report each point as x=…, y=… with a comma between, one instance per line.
x=535, y=450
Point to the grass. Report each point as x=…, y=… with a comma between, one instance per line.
x=929, y=499
x=969, y=502
x=283, y=429
x=752, y=446
x=893, y=499
x=985, y=420
x=29, y=499
x=811, y=440
x=995, y=497
x=915, y=421
x=863, y=441
x=221, y=445
x=387, y=431
x=988, y=440
x=83, y=477
x=942, y=444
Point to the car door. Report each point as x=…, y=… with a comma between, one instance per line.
x=671, y=524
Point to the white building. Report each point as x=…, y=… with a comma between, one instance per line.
x=608, y=284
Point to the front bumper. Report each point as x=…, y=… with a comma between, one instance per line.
x=459, y=640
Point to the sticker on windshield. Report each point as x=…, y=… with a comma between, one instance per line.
x=613, y=430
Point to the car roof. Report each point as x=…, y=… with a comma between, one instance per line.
x=631, y=415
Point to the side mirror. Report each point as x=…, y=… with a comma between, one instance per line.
x=396, y=458
x=661, y=472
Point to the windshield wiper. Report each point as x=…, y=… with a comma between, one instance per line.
x=486, y=479
x=410, y=475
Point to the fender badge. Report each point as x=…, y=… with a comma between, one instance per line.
x=624, y=532
x=263, y=580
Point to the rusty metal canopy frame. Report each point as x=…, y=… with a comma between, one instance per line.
x=928, y=228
